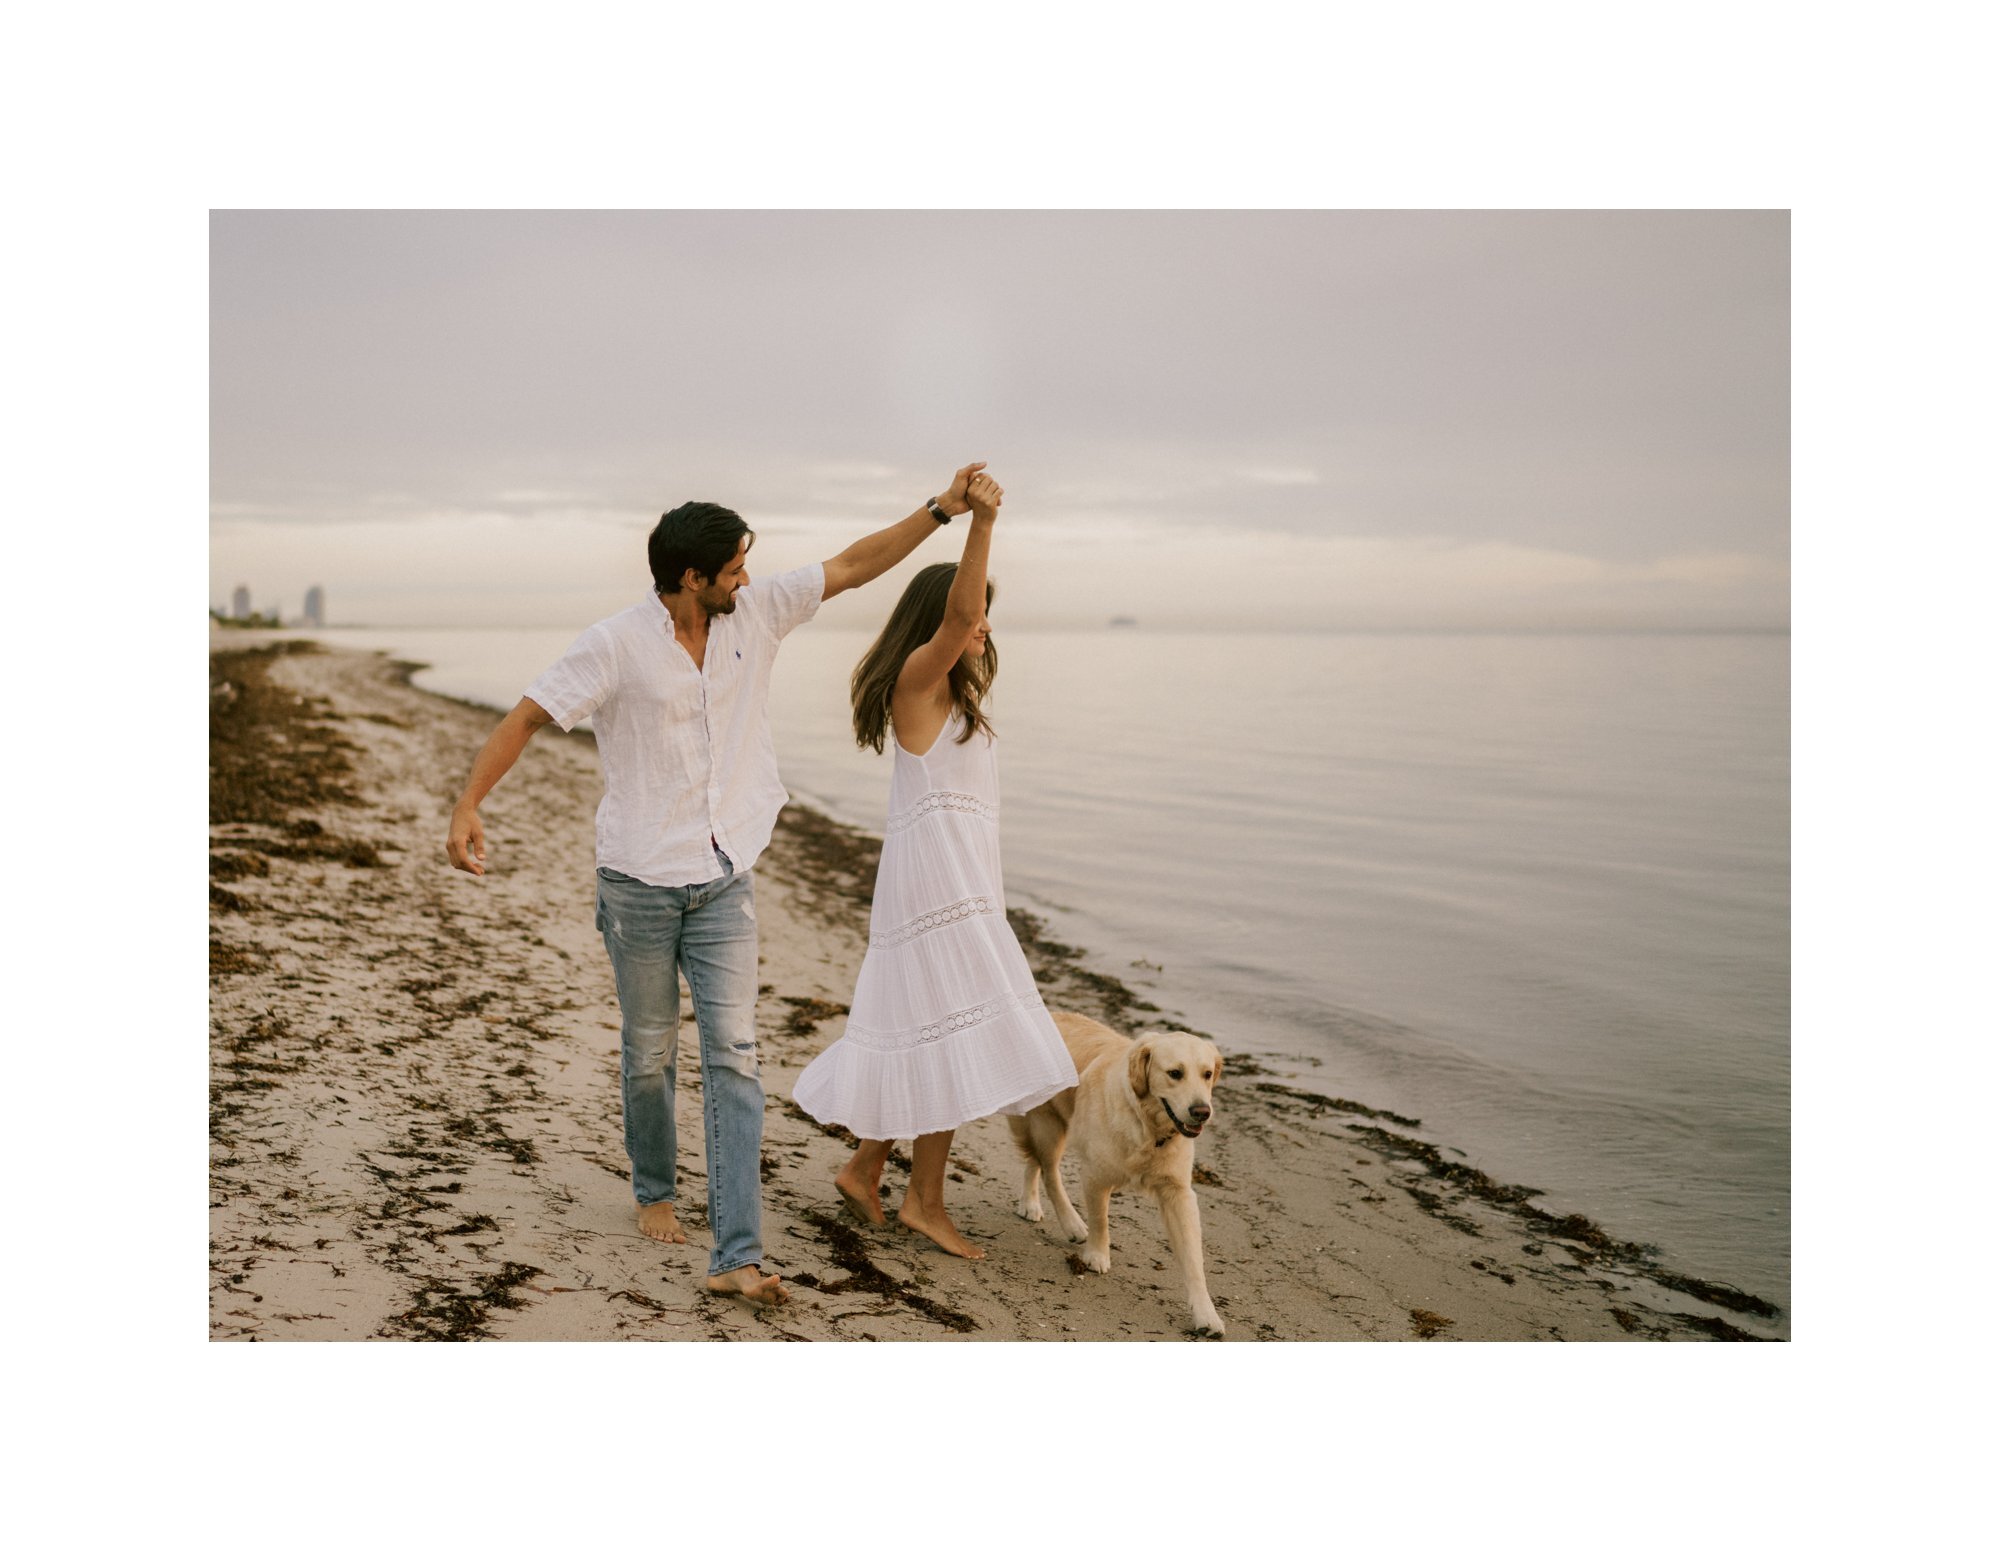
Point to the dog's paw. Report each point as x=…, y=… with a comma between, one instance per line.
x=1032, y=1210
x=1096, y=1259
x=1076, y=1230
x=1207, y=1322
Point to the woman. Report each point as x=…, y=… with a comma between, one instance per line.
x=946, y=1024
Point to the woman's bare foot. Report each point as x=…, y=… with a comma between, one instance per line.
x=939, y=1230
x=860, y=1180
x=861, y=1201
x=657, y=1221
x=748, y=1282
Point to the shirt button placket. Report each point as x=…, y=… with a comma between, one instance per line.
x=714, y=786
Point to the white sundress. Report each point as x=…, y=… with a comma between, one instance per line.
x=947, y=1024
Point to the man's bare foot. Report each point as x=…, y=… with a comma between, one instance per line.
x=748, y=1282
x=657, y=1221
x=939, y=1231
x=861, y=1201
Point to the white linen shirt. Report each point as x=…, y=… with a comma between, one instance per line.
x=686, y=752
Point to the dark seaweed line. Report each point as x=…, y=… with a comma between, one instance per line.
x=864, y=1276
x=1513, y=1199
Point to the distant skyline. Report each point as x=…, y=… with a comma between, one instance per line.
x=1507, y=419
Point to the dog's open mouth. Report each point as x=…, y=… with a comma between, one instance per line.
x=1179, y=1125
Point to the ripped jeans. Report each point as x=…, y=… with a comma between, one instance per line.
x=707, y=931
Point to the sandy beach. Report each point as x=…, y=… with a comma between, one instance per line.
x=414, y=1112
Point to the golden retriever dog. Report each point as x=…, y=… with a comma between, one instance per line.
x=1131, y=1120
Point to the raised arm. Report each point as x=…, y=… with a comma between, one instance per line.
x=921, y=684
x=865, y=559
x=466, y=845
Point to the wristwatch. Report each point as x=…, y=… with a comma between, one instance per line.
x=936, y=510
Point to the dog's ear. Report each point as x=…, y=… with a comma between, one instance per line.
x=1217, y=1055
x=1138, y=1065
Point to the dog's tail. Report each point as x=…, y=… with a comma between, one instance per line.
x=1017, y=1127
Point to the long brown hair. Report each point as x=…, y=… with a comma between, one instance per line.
x=913, y=621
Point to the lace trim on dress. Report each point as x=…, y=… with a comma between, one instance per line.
x=966, y=1018
x=931, y=920
x=945, y=802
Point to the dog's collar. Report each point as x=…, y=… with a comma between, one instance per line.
x=1176, y=1119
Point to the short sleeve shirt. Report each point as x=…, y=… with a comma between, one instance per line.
x=686, y=752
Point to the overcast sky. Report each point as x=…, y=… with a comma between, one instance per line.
x=1315, y=419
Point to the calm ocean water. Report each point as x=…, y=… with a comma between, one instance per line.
x=1532, y=888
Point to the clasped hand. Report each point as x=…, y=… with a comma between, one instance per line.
x=983, y=493
x=972, y=491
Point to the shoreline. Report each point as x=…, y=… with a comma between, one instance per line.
x=414, y=1109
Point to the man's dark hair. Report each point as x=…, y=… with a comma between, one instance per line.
x=697, y=534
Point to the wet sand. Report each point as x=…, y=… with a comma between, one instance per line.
x=414, y=1114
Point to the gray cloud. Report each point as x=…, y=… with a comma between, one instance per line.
x=1609, y=385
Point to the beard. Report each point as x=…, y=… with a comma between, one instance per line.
x=712, y=607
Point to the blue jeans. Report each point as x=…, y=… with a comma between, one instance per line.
x=707, y=931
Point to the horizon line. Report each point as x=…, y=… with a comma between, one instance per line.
x=834, y=628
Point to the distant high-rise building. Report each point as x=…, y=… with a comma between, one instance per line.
x=316, y=607
x=239, y=606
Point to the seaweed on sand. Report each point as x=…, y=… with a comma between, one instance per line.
x=271, y=750
x=1320, y=1103
x=808, y=1012
x=444, y=1312
x=1056, y=967
x=1585, y=1237
x=1468, y=1180
x=272, y=753
x=850, y=1254
x=833, y=863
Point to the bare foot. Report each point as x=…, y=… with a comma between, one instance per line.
x=861, y=1201
x=750, y=1283
x=939, y=1231
x=657, y=1221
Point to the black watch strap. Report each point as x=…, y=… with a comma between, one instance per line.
x=936, y=510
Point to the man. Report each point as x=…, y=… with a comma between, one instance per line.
x=678, y=685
